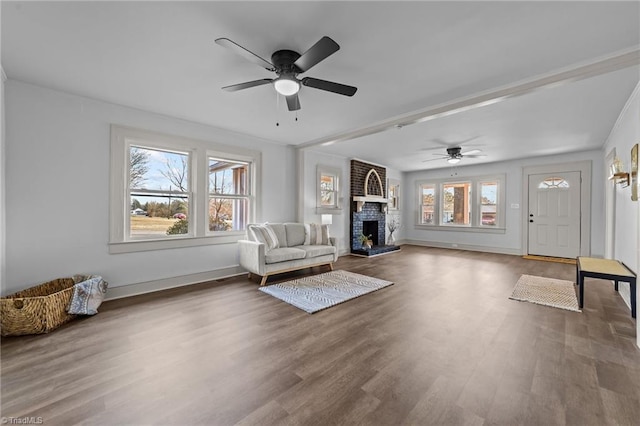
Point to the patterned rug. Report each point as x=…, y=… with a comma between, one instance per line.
x=546, y=291
x=318, y=292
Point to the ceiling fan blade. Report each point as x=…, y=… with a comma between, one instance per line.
x=320, y=51
x=329, y=86
x=473, y=151
x=474, y=156
x=248, y=84
x=247, y=54
x=293, y=102
x=435, y=159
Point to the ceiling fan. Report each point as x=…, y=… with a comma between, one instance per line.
x=455, y=154
x=287, y=64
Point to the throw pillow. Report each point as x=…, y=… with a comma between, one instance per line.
x=316, y=234
x=271, y=237
x=264, y=234
x=256, y=235
x=87, y=296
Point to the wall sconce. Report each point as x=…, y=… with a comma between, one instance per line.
x=617, y=174
x=327, y=219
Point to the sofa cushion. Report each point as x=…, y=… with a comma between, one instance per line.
x=315, y=251
x=284, y=254
x=316, y=234
x=295, y=234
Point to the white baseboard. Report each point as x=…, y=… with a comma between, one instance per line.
x=173, y=282
x=470, y=247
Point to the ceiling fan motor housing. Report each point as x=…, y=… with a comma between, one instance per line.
x=454, y=152
x=283, y=61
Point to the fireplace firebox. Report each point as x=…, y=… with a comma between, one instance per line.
x=370, y=227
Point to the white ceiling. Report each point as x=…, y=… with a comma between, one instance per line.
x=408, y=60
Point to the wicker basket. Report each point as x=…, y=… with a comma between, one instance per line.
x=38, y=309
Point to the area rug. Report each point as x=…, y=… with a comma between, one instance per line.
x=546, y=291
x=318, y=292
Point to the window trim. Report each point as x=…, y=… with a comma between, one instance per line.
x=476, y=196
x=122, y=138
x=337, y=174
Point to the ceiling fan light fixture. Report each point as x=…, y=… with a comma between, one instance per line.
x=286, y=86
x=453, y=160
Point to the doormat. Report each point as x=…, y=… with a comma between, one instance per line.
x=318, y=292
x=547, y=292
x=550, y=259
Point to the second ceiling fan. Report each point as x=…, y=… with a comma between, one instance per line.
x=287, y=64
x=455, y=154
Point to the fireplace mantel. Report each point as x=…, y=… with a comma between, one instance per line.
x=371, y=199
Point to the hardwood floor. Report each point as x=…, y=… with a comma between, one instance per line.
x=444, y=345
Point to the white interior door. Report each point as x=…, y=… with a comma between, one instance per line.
x=554, y=214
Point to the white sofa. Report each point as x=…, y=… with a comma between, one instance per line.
x=298, y=246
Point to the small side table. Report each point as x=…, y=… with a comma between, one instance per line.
x=606, y=269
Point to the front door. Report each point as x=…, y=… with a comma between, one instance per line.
x=554, y=214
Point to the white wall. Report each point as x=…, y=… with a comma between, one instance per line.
x=624, y=135
x=57, y=192
x=340, y=227
x=3, y=227
x=340, y=223
x=511, y=241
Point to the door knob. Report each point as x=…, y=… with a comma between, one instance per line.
x=531, y=215
x=531, y=220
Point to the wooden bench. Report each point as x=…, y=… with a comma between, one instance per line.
x=606, y=269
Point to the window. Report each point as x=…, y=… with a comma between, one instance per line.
x=553, y=182
x=428, y=200
x=159, y=193
x=170, y=192
x=394, y=194
x=488, y=203
x=229, y=197
x=474, y=204
x=328, y=201
x=456, y=203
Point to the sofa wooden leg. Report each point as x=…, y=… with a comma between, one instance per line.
x=264, y=280
x=331, y=266
x=249, y=275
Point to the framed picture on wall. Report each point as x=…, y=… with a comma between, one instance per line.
x=634, y=173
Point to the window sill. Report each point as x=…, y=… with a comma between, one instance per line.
x=328, y=210
x=476, y=229
x=150, y=245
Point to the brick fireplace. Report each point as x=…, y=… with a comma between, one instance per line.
x=368, y=208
